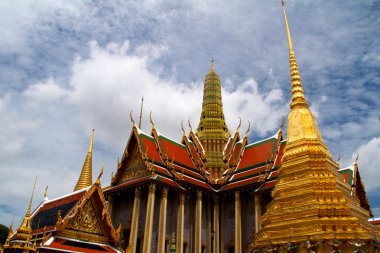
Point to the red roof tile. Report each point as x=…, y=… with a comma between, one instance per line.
x=257, y=153
x=79, y=246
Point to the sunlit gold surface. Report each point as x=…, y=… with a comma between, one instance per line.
x=85, y=178
x=212, y=130
x=310, y=199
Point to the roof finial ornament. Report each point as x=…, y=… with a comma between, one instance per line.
x=45, y=193
x=249, y=128
x=141, y=110
x=283, y=122
x=183, y=129
x=131, y=116
x=237, y=130
x=188, y=121
x=151, y=120
x=100, y=175
x=212, y=67
x=356, y=159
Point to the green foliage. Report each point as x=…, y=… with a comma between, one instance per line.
x=3, y=233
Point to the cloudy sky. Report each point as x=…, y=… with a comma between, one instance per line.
x=69, y=66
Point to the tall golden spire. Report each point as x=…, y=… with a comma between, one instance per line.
x=301, y=122
x=310, y=199
x=212, y=130
x=85, y=178
x=25, y=229
x=298, y=97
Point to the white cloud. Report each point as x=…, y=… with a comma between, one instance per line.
x=45, y=92
x=100, y=93
x=369, y=161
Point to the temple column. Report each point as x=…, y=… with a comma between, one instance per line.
x=135, y=221
x=162, y=222
x=180, y=222
x=198, y=222
x=237, y=223
x=216, y=225
x=222, y=226
x=209, y=227
x=147, y=246
x=257, y=212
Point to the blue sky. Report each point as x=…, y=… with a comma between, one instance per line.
x=69, y=66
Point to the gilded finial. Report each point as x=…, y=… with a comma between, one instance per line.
x=31, y=199
x=356, y=159
x=85, y=178
x=59, y=217
x=131, y=116
x=237, y=130
x=249, y=128
x=188, y=121
x=100, y=175
x=45, y=193
x=151, y=120
x=212, y=67
x=141, y=110
x=282, y=122
x=183, y=129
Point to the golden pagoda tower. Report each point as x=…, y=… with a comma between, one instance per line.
x=212, y=130
x=310, y=202
x=85, y=178
x=21, y=240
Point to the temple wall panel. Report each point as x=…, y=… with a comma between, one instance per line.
x=229, y=222
x=142, y=216
x=247, y=219
x=204, y=222
x=188, y=228
x=122, y=209
x=171, y=219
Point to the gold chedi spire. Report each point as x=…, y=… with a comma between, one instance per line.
x=212, y=130
x=310, y=199
x=85, y=178
x=23, y=235
x=301, y=122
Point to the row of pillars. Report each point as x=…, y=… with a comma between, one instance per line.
x=148, y=232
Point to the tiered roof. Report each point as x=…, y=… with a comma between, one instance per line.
x=79, y=216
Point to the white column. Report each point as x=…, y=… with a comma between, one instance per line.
x=180, y=222
x=135, y=221
x=257, y=212
x=216, y=225
x=147, y=246
x=162, y=222
x=198, y=222
x=237, y=223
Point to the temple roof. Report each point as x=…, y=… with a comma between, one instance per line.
x=68, y=245
x=180, y=165
x=55, y=217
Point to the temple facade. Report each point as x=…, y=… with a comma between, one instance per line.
x=212, y=191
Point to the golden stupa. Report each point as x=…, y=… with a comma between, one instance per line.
x=312, y=207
